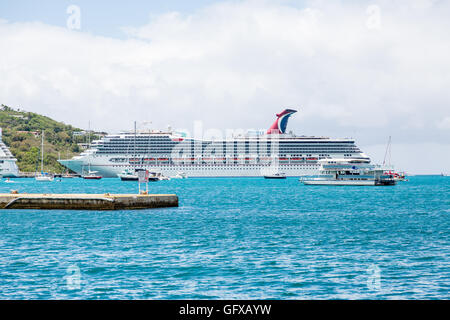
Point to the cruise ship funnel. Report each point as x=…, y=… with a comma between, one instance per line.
x=280, y=125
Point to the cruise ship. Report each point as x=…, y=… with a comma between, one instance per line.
x=248, y=155
x=8, y=166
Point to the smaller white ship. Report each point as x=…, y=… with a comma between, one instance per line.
x=347, y=172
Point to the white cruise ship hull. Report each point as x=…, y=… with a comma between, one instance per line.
x=107, y=170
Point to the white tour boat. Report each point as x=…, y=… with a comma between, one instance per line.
x=350, y=172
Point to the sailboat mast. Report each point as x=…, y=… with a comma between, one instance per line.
x=42, y=152
x=388, y=149
x=135, y=138
x=89, y=146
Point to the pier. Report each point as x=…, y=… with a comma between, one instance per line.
x=87, y=201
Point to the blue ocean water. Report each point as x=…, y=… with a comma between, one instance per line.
x=235, y=238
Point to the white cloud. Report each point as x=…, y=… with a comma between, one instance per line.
x=234, y=64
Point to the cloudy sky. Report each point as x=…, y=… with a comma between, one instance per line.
x=367, y=70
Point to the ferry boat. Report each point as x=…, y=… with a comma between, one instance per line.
x=345, y=172
x=248, y=155
x=8, y=165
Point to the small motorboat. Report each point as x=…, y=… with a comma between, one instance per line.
x=278, y=175
x=44, y=177
x=92, y=175
x=398, y=176
x=128, y=175
x=160, y=176
x=180, y=175
x=132, y=175
x=153, y=176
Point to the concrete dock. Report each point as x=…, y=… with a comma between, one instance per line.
x=86, y=201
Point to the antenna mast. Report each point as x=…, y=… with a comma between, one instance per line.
x=388, y=151
x=89, y=146
x=135, y=138
x=42, y=151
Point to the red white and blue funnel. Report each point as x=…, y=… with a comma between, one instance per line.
x=279, y=126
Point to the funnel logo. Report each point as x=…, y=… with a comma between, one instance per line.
x=280, y=125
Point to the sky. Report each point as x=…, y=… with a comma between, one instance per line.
x=366, y=70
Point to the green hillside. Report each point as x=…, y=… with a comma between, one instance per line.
x=21, y=133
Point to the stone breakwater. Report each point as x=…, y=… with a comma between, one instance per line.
x=87, y=201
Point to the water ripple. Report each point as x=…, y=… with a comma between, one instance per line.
x=233, y=239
